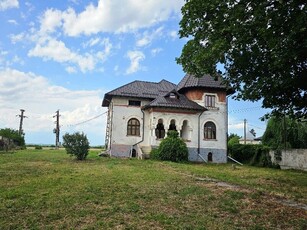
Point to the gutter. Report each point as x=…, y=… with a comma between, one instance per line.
x=111, y=127
x=198, y=147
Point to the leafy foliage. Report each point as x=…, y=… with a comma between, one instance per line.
x=233, y=139
x=172, y=148
x=262, y=45
x=257, y=155
x=14, y=135
x=76, y=144
x=285, y=132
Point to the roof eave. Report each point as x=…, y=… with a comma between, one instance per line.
x=176, y=108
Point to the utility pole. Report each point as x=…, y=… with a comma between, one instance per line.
x=245, y=131
x=57, y=129
x=21, y=121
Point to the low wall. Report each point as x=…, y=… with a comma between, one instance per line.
x=290, y=158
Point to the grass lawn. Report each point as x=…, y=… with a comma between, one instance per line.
x=47, y=189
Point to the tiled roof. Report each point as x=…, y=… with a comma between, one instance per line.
x=189, y=81
x=140, y=89
x=179, y=101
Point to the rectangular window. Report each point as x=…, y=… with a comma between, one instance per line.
x=209, y=101
x=134, y=103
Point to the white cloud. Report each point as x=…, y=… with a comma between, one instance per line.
x=18, y=60
x=235, y=125
x=111, y=16
x=51, y=19
x=148, y=37
x=173, y=34
x=91, y=42
x=71, y=69
x=57, y=51
x=40, y=99
x=7, y=4
x=155, y=51
x=17, y=38
x=102, y=55
x=3, y=53
x=12, y=21
x=74, y=1
x=135, y=58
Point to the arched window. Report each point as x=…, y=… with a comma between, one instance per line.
x=184, y=132
x=133, y=127
x=172, y=125
x=209, y=130
x=160, y=131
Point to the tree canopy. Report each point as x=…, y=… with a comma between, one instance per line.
x=285, y=132
x=14, y=135
x=233, y=139
x=262, y=45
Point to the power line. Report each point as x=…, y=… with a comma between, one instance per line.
x=256, y=127
x=93, y=118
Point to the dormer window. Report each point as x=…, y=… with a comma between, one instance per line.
x=210, y=101
x=173, y=95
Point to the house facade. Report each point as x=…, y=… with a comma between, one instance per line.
x=141, y=113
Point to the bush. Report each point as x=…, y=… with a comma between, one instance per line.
x=172, y=148
x=76, y=144
x=38, y=147
x=257, y=155
x=154, y=154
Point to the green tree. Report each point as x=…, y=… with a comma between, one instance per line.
x=261, y=44
x=172, y=148
x=14, y=135
x=76, y=144
x=233, y=139
x=285, y=132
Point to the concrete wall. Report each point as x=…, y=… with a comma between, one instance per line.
x=291, y=159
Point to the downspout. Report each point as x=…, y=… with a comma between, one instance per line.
x=143, y=129
x=198, y=147
x=226, y=127
x=111, y=126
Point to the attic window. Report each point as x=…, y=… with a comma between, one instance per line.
x=173, y=95
x=134, y=103
x=210, y=101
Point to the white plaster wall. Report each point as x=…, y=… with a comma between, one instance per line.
x=218, y=116
x=291, y=159
x=122, y=113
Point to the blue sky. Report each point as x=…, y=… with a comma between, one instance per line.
x=66, y=54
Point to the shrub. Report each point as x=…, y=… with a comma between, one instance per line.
x=172, y=148
x=257, y=155
x=154, y=154
x=76, y=144
x=38, y=147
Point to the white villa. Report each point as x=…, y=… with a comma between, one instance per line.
x=140, y=114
